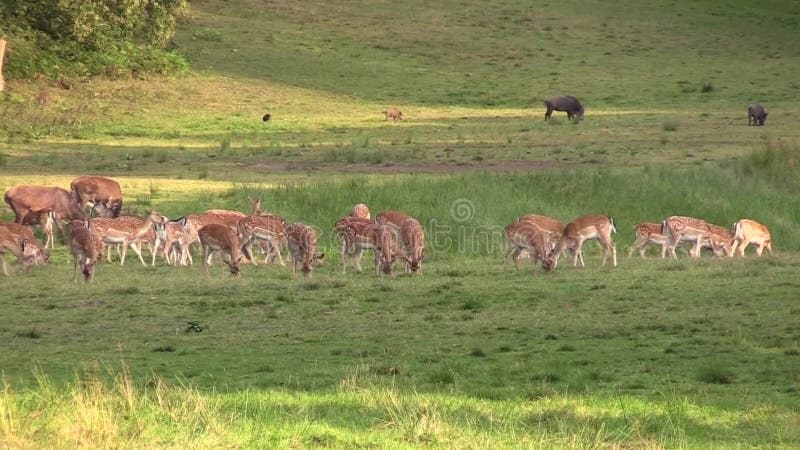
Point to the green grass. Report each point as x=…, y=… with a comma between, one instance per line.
x=688, y=353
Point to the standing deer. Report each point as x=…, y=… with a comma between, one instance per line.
x=302, y=243
x=682, y=228
x=25, y=200
x=356, y=235
x=647, y=233
x=269, y=229
x=126, y=231
x=219, y=238
x=592, y=226
x=746, y=232
x=393, y=113
x=384, y=250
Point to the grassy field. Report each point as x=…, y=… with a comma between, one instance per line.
x=679, y=354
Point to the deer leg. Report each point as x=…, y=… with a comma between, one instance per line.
x=3, y=260
x=357, y=259
x=744, y=246
x=516, y=254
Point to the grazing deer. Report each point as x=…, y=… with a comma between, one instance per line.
x=524, y=235
x=720, y=242
x=384, y=250
x=25, y=249
x=412, y=245
x=679, y=229
x=269, y=229
x=236, y=215
x=647, y=233
x=193, y=222
x=356, y=234
x=360, y=210
x=592, y=226
x=219, y=238
x=553, y=228
x=96, y=191
x=126, y=231
x=302, y=243
x=746, y=232
x=392, y=218
x=86, y=249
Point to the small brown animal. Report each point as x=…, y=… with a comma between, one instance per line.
x=266, y=117
x=394, y=114
x=412, y=245
x=526, y=236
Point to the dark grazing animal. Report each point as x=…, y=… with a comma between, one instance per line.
x=756, y=114
x=566, y=103
x=266, y=117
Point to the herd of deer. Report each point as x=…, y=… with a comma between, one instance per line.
x=229, y=233
x=391, y=235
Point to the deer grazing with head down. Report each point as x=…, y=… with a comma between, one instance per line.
x=411, y=245
x=86, y=249
x=582, y=229
x=18, y=239
x=526, y=236
x=102, y=194
x=679, y=229
x=216, y=238
x=302, y=243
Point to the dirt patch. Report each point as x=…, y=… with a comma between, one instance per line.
x=404, y=168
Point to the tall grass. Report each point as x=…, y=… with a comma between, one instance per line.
x=761, y=186
x=102, y=412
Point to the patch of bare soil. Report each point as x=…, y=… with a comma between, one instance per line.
x=404, y=168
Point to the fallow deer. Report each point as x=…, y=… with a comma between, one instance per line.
x=356, y=234
x=720, y=242
x=85, y=249
x=26, y=250
x=26, y=199
x=95, y=191
x=647, y=233
x=526, y=236
x=392, y=218
x=126, y=231
x=267, y=229
x=360, y=210
x=412, y=245
x=746, y=232
x=172, y=241
x=592, y=226
x=679, y=229
x=384, y=250
x=302, y=243
x=216, y=238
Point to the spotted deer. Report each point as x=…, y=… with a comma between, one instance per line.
x=85, y=247
x=746, y=232
x=360, y=210
x=720, y=242
x=392, y=218
x=126, y=231
x=582, y=229
x=526, y=236
x=679, y=229
x=217, y=238
x=267, y=229
x=647, y=233
x=302, y=243
x=385, y=248
x=356, y=235
x=22, y=245
x=412, y=245
x=172, y=241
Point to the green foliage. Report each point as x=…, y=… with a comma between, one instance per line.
x=94, y=37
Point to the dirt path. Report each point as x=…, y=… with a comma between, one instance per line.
x=404, y=168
